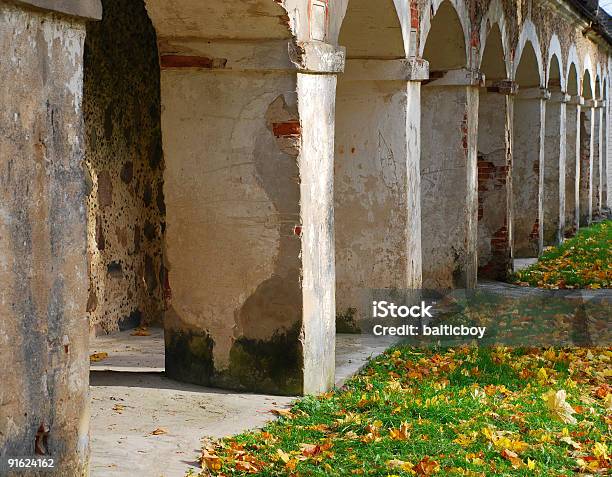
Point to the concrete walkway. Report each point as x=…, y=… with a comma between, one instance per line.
x=145, y=425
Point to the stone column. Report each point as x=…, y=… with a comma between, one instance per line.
x=528, y=171
x=554, y=168
x=248, y=134
x=572, y=168
x=585, y=193
x=494, y=187
x=377, y=182
x=44, y=377
x=449, y=195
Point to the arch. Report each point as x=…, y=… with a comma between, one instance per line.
x=572, y=66
x=587, y=85
x=229, y=135
x=587, y=72
x=597, y=93
x=453, y=11
x=529, y=44
x=554, y=52
x=372, y=32
x=554, y=78
x=445, y=46
x=573, y=81
x=494, y=18
x=262, y=20
x=493, y=59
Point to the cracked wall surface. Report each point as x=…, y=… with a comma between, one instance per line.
x=125, y=207
x=43, y=275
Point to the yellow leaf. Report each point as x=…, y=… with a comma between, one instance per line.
x=600, y=450
x=531, y=464
x=559, y=408
x=283, y=455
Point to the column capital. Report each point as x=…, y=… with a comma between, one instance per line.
x=559, y=97
x=317, y=57
x=533, y=93
x=371, y=69
x=456, y=77
x=576, y=100
x=590, y=103
x=504, y=86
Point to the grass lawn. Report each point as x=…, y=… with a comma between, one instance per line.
x=584, y=261
x=453, y=412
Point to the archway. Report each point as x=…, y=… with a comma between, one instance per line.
x=587, y=131
x=376, y=244
x=572, y=152
x=554, y=156
x=529, y=116
x=249, y=196
x=449, y=116
x=494, y=156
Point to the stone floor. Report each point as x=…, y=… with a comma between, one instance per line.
x=143, y=424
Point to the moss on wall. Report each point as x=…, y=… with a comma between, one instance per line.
x=125, y=162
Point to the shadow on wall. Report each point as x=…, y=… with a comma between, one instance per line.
x=124, y=161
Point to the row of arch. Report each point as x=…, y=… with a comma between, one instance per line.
x=380, y=34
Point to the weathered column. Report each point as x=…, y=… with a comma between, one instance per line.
x=572, y=168
x=377, y=181
x=449, y=195
x=528, y=171
x=554, y=168
x=494, y=187
x=44, y=378
x=248, y=134
x=585, y=193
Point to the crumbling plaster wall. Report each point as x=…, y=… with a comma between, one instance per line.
x=126, y=209
x=43, y=327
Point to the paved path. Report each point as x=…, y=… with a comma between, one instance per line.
x=131, y=398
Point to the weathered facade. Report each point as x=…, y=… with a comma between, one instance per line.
x=243, y=171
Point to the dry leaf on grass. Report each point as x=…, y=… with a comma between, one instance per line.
x=559, y=408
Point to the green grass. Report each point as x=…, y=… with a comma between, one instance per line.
x=584, y=261
x=461, y=411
